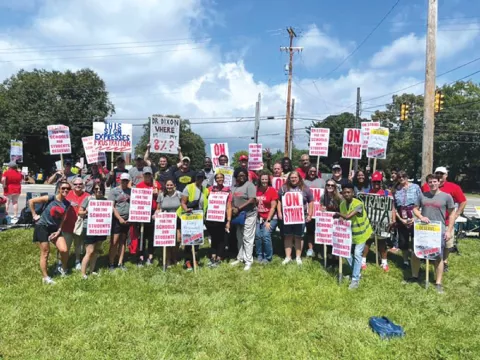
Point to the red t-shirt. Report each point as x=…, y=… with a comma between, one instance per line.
x=451, y=188
x=72, y=211
x=380, y=192
x=13, y=179
x=157, y=185
x=264, y=201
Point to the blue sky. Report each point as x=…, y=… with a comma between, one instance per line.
x=221, y=54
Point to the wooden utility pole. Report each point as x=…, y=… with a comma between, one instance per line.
x=357, y=122
x=292, y=120
x=429, y=96
x=290, y=49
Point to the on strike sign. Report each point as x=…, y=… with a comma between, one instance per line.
x=366, y=126
x=319, y=139
x=140, y=205
x=324, y=228
x=165, y=229
x=164, y=134
x=217, y=150
x=292, y=207
x=317, y=195
x=377, y=143
x=92, y=155
x=217, y=204
x=352, y=144
x=59, y=139
x=112, y=136
x=255, y=159
x=342, y=238
x=278, y=182
x=99, y=222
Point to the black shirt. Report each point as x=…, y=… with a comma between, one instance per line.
x=182, y=179
x=340, y=183
x=168, y=174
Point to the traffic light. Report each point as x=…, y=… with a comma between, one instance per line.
x=404, y=111
x=439, y=100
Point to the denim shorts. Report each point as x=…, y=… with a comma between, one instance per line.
x=295, y=230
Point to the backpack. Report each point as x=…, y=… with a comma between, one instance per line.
x=385, y=328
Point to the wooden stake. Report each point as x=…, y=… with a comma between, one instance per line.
x=141, y=237
x=61, y=162
x=318, y=162
x=427, y=270
x=340, y=269
x=374, y=165
x=325, y=255
x=194, y=260
x=376, y=248
x=164, y=258
x=111, y=160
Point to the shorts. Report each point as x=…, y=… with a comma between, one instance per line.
x=450, y=243
x=91, y=240
x=311, y=227
x=42, y=232
x=117, y=228
x=295, y=230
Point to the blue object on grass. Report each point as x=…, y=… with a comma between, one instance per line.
x=385, y=328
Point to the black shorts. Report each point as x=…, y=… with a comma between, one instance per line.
x=42, y=232
x=311, y=227
x=117, y=228
x=90, y=240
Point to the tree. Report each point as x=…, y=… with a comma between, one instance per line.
x=191, y=143
x=29, y=101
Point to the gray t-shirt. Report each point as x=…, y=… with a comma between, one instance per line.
x=318, y=183
x=198, y=196
x=170, y=203
x=209, y=178
x=241, y=194
x=434, y=207
x=136, y=175
x=121, y=200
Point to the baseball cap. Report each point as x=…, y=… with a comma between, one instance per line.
x=125, y=176
x=336, y=166
x=147, y=170
x=138, y=157
x=377, y=176
x=200, y=174
x=186, y=158
x=119, y=158
x=243, y=158
x=441, y=169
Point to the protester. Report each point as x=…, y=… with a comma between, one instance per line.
x=218, y=229
x=184, y=175
x=459, y=199
x=393, y=183
x=267, y=199
x=377, y=180
x=286, y=166
x=65, y=175
x=165, y=172
x=49, y=225
x=208, y=170
x=12, y=188
x=252, y=176
x=102, y=168
x=169, y=201
x=330, y=201
x=120, y=196
x=361, y=183
x=433, y=206
x=313, y=182
x=93, y=178
x=353, y=210
x=194, y=197
x=114, y=178
x=223, y=160
x=244, y=208
x=406, y=195
x=136, y=172
x=337, y=177
x=293, y=234
x=304, y=166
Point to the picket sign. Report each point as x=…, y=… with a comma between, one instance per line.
x=16, y=150
x=140, y=205
x=292, y=208
x=217, y=150
x=427, y=243
x=324, y=231
x=317, y=195
x=365, y=127
x=319, y=139
x=255, y=157
x=165, y=233
x=59, y=140
x=217, y=205
x=352, y=144
x=192, y=231
x=377, y=143
x=379, y=211
x=112, y=136
x=91, y=153
x=164, y=134
x=99, y=221
x=227, y=175
x=341, y=242
x=278, y=182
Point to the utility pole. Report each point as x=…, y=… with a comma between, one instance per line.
x=290, y=49
x=357, y=122
x=292, y=120
x=257, y=118
x=429, y=96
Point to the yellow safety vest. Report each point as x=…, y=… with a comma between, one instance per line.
x=191, y=197
x=361, y=229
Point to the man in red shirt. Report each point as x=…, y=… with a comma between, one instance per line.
x=459, y=198
x=304, y=166
x=252, y=176
x=12, y=188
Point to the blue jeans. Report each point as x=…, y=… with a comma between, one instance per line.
x=263, y=239
x=357, y=251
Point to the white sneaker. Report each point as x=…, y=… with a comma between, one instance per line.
x=78, y=265
x=247, y=267
x=235, y=263
x=310, y=253
x=14, y=220
x=62, y=272
x=48, y=281
x=94, y=273
x=286, y=261
x=84, y=277
x=299, y=261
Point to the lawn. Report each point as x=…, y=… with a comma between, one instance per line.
x=271, y=312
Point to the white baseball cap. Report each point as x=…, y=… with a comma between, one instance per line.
x=124, y=176
x=441, y=169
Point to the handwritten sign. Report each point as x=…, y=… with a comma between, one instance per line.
x=217, y=150
x=366, y=126
x=377, y=143
x=112, y=136
x=165, y=233
x=324, y=228
x=140, y=205
x=379, y=211
x=91, y=153
x=164, y=134
x=217, y=205
x=342, y=238
x=319, y=139
x=99, y=220
x=427, y=240
x=352, y=144
x=227, y=175
x=278, y=182
x=317, y=195
x=16, y=150
x=59, y=139
x=292, y=208
x=192, y=228
x=255, y=157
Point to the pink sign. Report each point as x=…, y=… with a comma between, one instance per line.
x=324, y=228
x=352, y=144
x=319, y=139
x=255, y=157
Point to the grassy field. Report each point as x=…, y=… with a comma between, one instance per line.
x=272, y=312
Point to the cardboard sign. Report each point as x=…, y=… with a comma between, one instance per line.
x=91, y=153
x=324, y=228
x=165, y=233
x=292, y=208
x=427, y=240
x=379, y=211
x=366, y=126
x=217, y=206
x=99, y=219
x=16, y=150
x=342, y=238
x=164, y=134
x=255, y=157
x=112, y=136
x=377, y=143
x=227, y=175
x=192, y=228
x=278, y=182
x=217, y=150
x=319, y=139
x=59, y=139
x=25, y=170
x=140, y=205
x=352, y=144
x=317, y=195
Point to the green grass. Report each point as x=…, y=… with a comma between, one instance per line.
x=272, y=312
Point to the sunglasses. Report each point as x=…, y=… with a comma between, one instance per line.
x=64, y=188
x=330, y=185
x=97, y=190
x=77, y=184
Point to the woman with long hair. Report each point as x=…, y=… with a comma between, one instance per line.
x=313, y=182
x=330, y=201
x=293, y=234
x=12, y=188
x=361, y=183
x=48, y=227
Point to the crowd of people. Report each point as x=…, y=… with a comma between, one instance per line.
x=253, y=213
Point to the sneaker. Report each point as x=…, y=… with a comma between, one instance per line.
x=14, y=220
x=266, y=262
x=48, y=281
x=310, y=253
x=58, y=269
x=445, y=267
x=439, y=288
x=214, y=264
x=94, y=273
x=78, y=265
x=140, y=263
x=122, y=267
x=286, y=261
x=406, y=265
x=411, y=280
x=149, y=262
x=299, y=261
x=235, y=263
x=364, y=266
x=211, y=262
x=247, y=267
x=259, y=259
x=385, y=268
x=84, y=277
x=354, y=285
x=62, y=272
x=111, y=268
x=188, y=266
